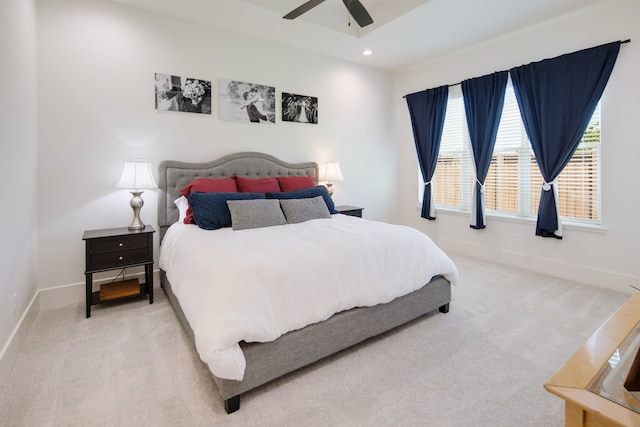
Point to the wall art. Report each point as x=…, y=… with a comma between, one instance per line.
x=175, y=93
x=299, y=108
x=247, y=102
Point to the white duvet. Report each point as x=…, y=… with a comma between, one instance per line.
x=255, y=285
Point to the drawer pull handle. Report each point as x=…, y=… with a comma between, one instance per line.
x=120, y=258
x=120, y=244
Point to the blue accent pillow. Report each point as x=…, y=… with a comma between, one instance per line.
x=307, y=193
x=210, y=210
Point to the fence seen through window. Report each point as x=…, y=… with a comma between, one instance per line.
x=514, y=183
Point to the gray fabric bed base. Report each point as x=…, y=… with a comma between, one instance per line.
x=296, y=349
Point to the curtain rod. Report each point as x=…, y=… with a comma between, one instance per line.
x=459, y=83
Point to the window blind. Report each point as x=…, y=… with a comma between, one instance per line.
x=453, y=177
x=513, y=183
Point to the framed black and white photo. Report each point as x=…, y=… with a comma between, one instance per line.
x=247, y=102
x=187, y=94
x=299, y=108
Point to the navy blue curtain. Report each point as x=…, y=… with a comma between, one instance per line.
x=483, y=102
x=557, y=98
x=427, y=110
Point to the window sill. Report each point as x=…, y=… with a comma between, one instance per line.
x=566, y=224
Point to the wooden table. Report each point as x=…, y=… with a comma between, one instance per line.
x=113, y=249
x=583, y=407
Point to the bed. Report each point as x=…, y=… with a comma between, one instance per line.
x=266, y=355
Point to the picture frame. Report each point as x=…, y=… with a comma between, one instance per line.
x=185, y=94
x=247, y=102
x=299, y=108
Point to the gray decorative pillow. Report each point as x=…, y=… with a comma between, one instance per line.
x=300, y=210
x=255, y=213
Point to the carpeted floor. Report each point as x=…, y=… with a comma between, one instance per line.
x=482, y=364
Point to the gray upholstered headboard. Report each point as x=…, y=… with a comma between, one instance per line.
x=174, y=175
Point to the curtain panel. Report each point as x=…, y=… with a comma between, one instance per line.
x=427, y=110
x=483, y=101
x=557, y=98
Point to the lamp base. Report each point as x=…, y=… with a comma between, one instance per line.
x=329, y=188
x=136, y=204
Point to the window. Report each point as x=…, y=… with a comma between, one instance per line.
x=513, y=183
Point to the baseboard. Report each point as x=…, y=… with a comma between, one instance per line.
x=44, y=299
x=14, y=344
x=62, y=296
x=564, y=270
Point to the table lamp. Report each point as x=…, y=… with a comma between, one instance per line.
x=330, y=172
x=136, y=177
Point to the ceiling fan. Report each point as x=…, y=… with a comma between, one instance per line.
x=355, y=8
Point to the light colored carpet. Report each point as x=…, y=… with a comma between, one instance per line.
x=482, y=364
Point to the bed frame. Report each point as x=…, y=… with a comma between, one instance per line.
x=296, y=349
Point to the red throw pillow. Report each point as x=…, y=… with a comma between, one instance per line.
x=257, y=185
x=293, y=183
x=207, y=185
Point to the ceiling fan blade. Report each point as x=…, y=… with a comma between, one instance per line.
x=302, y=9
x=359, y=13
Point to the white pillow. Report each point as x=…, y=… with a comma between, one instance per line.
x=182, y=204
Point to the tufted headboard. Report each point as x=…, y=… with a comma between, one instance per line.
x=174, y=175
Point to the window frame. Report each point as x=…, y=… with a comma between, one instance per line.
x=526, y=167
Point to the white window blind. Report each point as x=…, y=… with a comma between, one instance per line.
x=514, y=183
x=508, y=182
x=453, y=178
x=579, y=182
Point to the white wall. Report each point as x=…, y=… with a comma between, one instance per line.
x=96, y=109
x=607, y=258
x=18, y=165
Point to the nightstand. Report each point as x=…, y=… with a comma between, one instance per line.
x=350, y=210
x=113, y=249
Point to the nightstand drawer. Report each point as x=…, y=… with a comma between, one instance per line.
x=101, y=261
x=117, y=244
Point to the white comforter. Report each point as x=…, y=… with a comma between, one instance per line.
x=255, y=285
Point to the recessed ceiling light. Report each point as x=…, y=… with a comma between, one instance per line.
x=367, y=52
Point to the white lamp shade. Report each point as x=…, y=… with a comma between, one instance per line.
x=137, y=176
x=331, y=172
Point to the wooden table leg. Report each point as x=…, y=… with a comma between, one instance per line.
x=148, y=273
x=573, y=415
x=89, y=290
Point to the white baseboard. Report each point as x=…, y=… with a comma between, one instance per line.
x=48, y=298
x=14, y=344
x=61, y=296
x=564, y=270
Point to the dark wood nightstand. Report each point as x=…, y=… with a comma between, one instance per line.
x=112, y=249
x=350, y=210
